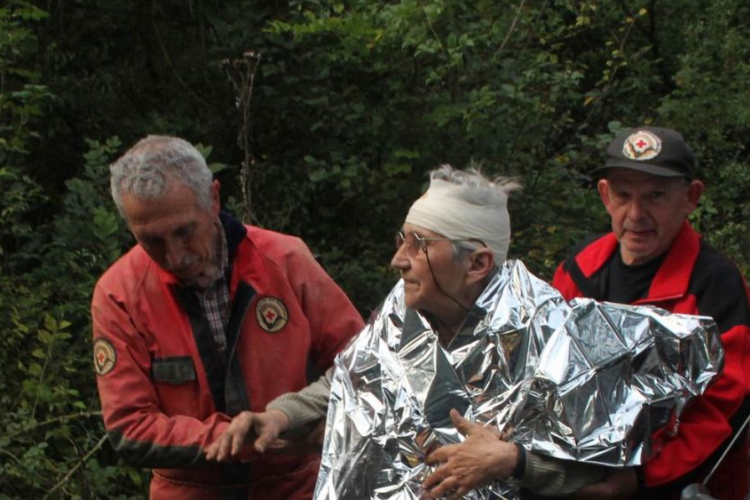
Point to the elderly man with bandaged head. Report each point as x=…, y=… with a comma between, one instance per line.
x=396, y=382
x=452, y=242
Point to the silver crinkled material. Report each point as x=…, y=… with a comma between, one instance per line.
x=583, y=381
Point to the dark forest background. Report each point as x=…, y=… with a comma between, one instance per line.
x=321, y=118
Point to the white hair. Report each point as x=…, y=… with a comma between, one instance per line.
x=464, y=204
x=147, y=168
x=472, y=177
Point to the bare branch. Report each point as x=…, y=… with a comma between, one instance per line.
x=432, y=28
x=241, y=74
x=512, y=26
x=76, y=466
x=56, y=420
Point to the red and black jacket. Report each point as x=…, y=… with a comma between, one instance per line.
x=166, y=394
x=693, y=279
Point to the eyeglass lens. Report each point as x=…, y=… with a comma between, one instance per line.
x=411, y=240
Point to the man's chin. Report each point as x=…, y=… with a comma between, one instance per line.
x=635, y=254
x=186, y=276
x=205, y=278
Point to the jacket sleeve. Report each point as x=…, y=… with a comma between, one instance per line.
x=565, y=284
x=714, y=418
x=332, y=317
x=138, y=430
x=306, y=406
x=551, y=477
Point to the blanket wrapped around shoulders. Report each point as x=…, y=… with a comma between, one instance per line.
x=582, y=381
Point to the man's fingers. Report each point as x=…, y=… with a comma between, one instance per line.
x=459, y=493
x=224, y=443
x=462, y=425
x=211, y=451
x=439, y=455
x=445, y=488
x=433, y=479
x=238, y=439
x=266, y=438
x=507, y=433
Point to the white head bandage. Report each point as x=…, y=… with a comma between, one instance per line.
x=465, y=212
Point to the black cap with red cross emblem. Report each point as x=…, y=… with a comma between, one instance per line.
x=653, y=150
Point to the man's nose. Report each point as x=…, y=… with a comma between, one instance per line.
x=175, y=254
x=636, y=210
x=400, y=260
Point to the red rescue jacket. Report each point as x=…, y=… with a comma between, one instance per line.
x=693, y=279
x=166, y=395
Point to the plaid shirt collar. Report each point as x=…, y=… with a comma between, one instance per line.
x=215, y=300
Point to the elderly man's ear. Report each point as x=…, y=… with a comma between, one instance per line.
x=695, y=190
x=482, y=264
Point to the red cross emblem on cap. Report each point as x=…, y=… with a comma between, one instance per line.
x=641, y=145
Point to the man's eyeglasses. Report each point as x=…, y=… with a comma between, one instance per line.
x=415, y=243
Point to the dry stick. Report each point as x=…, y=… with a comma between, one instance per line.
x=512, y=26
x=57, y=420
x=11, y=455
x=432, y=28
x=502, y=46
x=243, y=85
x=76, y=466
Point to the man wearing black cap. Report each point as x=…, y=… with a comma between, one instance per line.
x=653, y=256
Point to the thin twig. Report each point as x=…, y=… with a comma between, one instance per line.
x=77, y=466
x=512, y=26
x=11, y=455
x=241, y=74
x=57, y=420
x=432, y=28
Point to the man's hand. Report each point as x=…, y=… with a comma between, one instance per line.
x=312, y=442
x=267, y=426
x=478, y=461
x=620, y=484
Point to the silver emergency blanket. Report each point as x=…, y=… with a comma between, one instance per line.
x=584, y=381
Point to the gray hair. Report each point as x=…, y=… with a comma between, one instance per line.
x=472, y=177
x=147, y=168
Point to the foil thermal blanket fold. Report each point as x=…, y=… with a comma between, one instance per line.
x=582, y=381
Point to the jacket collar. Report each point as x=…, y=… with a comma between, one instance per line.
x=672, y=278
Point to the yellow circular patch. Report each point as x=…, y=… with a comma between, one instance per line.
x=271, y=314
x=105, y=356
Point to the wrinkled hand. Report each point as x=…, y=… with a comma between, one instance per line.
x=478, y=461
x=620, y=484
x=312, y=442
x=266, y=426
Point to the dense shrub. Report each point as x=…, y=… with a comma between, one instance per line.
x=322, y=118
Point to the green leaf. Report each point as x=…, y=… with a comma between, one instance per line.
x=50, y=323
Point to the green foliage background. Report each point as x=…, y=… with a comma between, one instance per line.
x=322, y=118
